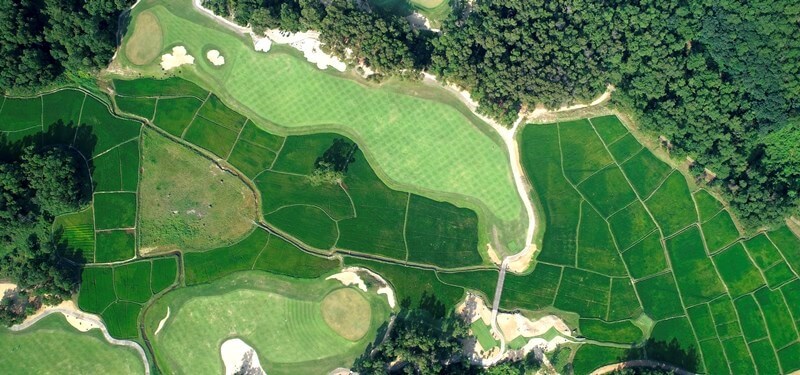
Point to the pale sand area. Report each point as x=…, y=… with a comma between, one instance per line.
x=234, y=354
x=215, y=58
x=306, y=42
x=161, y=323
x=178, y=57
x=349, y=276
x=473, y=308
x=514, y=325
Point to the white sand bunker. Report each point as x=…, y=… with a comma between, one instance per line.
x=215, y=58
x=240, y=358
x=306, y=42
x=349, y=276
x=178, y=57
x=161, y=323
x=514, y=325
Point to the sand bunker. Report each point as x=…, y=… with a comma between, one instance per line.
x=514, y=325
x=473, y=308
x=306, y=42
x=177, y=58
x=349, y=278
x=161, y=323
x=389, y=295
x=263, y=45
x=215, y=58
x=236, y=354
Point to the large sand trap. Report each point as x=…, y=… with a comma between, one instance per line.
x=177, y=58
x=161, y=323
x=308, y=43
x=215, y=58
x=349, y=278
x=235, y=353
x=514, y=325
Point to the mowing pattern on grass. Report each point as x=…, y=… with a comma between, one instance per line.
x=625, y=235
x=387, y=120
x=117, y=293
x=358, y=213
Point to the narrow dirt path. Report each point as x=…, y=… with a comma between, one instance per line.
x=92, y=320
x=640, y=363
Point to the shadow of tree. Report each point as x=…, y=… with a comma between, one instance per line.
x=670, y=352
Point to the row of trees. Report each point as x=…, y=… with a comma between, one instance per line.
x=41, y=40
x=719, y=79
x=33, y=190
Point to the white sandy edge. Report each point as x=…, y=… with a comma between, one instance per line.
x=178, y=57
x=349, y=276
x=515, y=325
x=83, y=322
x=161, y=323
x=233, y=352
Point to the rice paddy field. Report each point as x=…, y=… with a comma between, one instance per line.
x=645, y=258
x=301, y=326
x=68, y=351
x=294, y=97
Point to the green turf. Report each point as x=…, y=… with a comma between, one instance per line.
x=117, y=169
x=283, y=258
x=97, y=289
x=778, y=274
x=623, y=304
x=441, y=234
x=646, y=172
x=725, y=317
x=175, y=114
x=624, y=148
x=590, y=357
x=623, y=332
x=583, y=153
x=659, y=296
x=214, y=110
x=158, y=87
x=281, y=189
x=751, y=318
x=682, y=352
x=583, y=292
x=114, y=210
x=203, y=267
x=533, y=291
x=211, y=136
x=53, y=346
x=763, y=252
x=737, y=271
x=672, y=205
x=714, y=356
x=132, y=281
x=694, y=271
x=115, y=245
x=789, y=244
x=120, y=319
x=250, y=158
x=164, y=273
x=777, y=317
x=607, y=190
x=631, y=225
x=702, y=322
x=288, y=333
x=142, y=107
x=720, y=231
x=254, y=134
x=76, y=231
x=596, y=249
x=764, y=357
x=19, y=114
x=299, y=153
x=482, y=332
x=646, y=257
x=543, y=167
x=791, y=292
x=308, y=224
x=62, y=108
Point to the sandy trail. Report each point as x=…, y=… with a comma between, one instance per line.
x=74, y=317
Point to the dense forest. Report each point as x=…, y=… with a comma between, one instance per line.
x=720, y=80
x=42, y=41
x=33, y=190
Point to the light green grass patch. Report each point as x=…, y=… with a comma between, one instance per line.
x=763, y=252
x=646, y=172
x=777, y=316
x=582, y=151
x=610, y=128
x=738, y=355
x=211, y=136
x=482, y=332
x=631, y=225
x=174, y=115
x=714, y=356
x=624, y=148
x=150, y=87
x=53, y=346
x=195, y=207
x=659, y=296
x=702, y=322
x=623, y=304
x=751, y=318
x=608, y=190
x=789, y=244
x=583, y=292
x=764, y=357
x=707, y=205
x=623, y=332
x=646, y=257
x=596, y=249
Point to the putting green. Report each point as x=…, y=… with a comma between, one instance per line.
x=280, y=317
x=52, y=346
x=145, y=43
x=426, y=145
